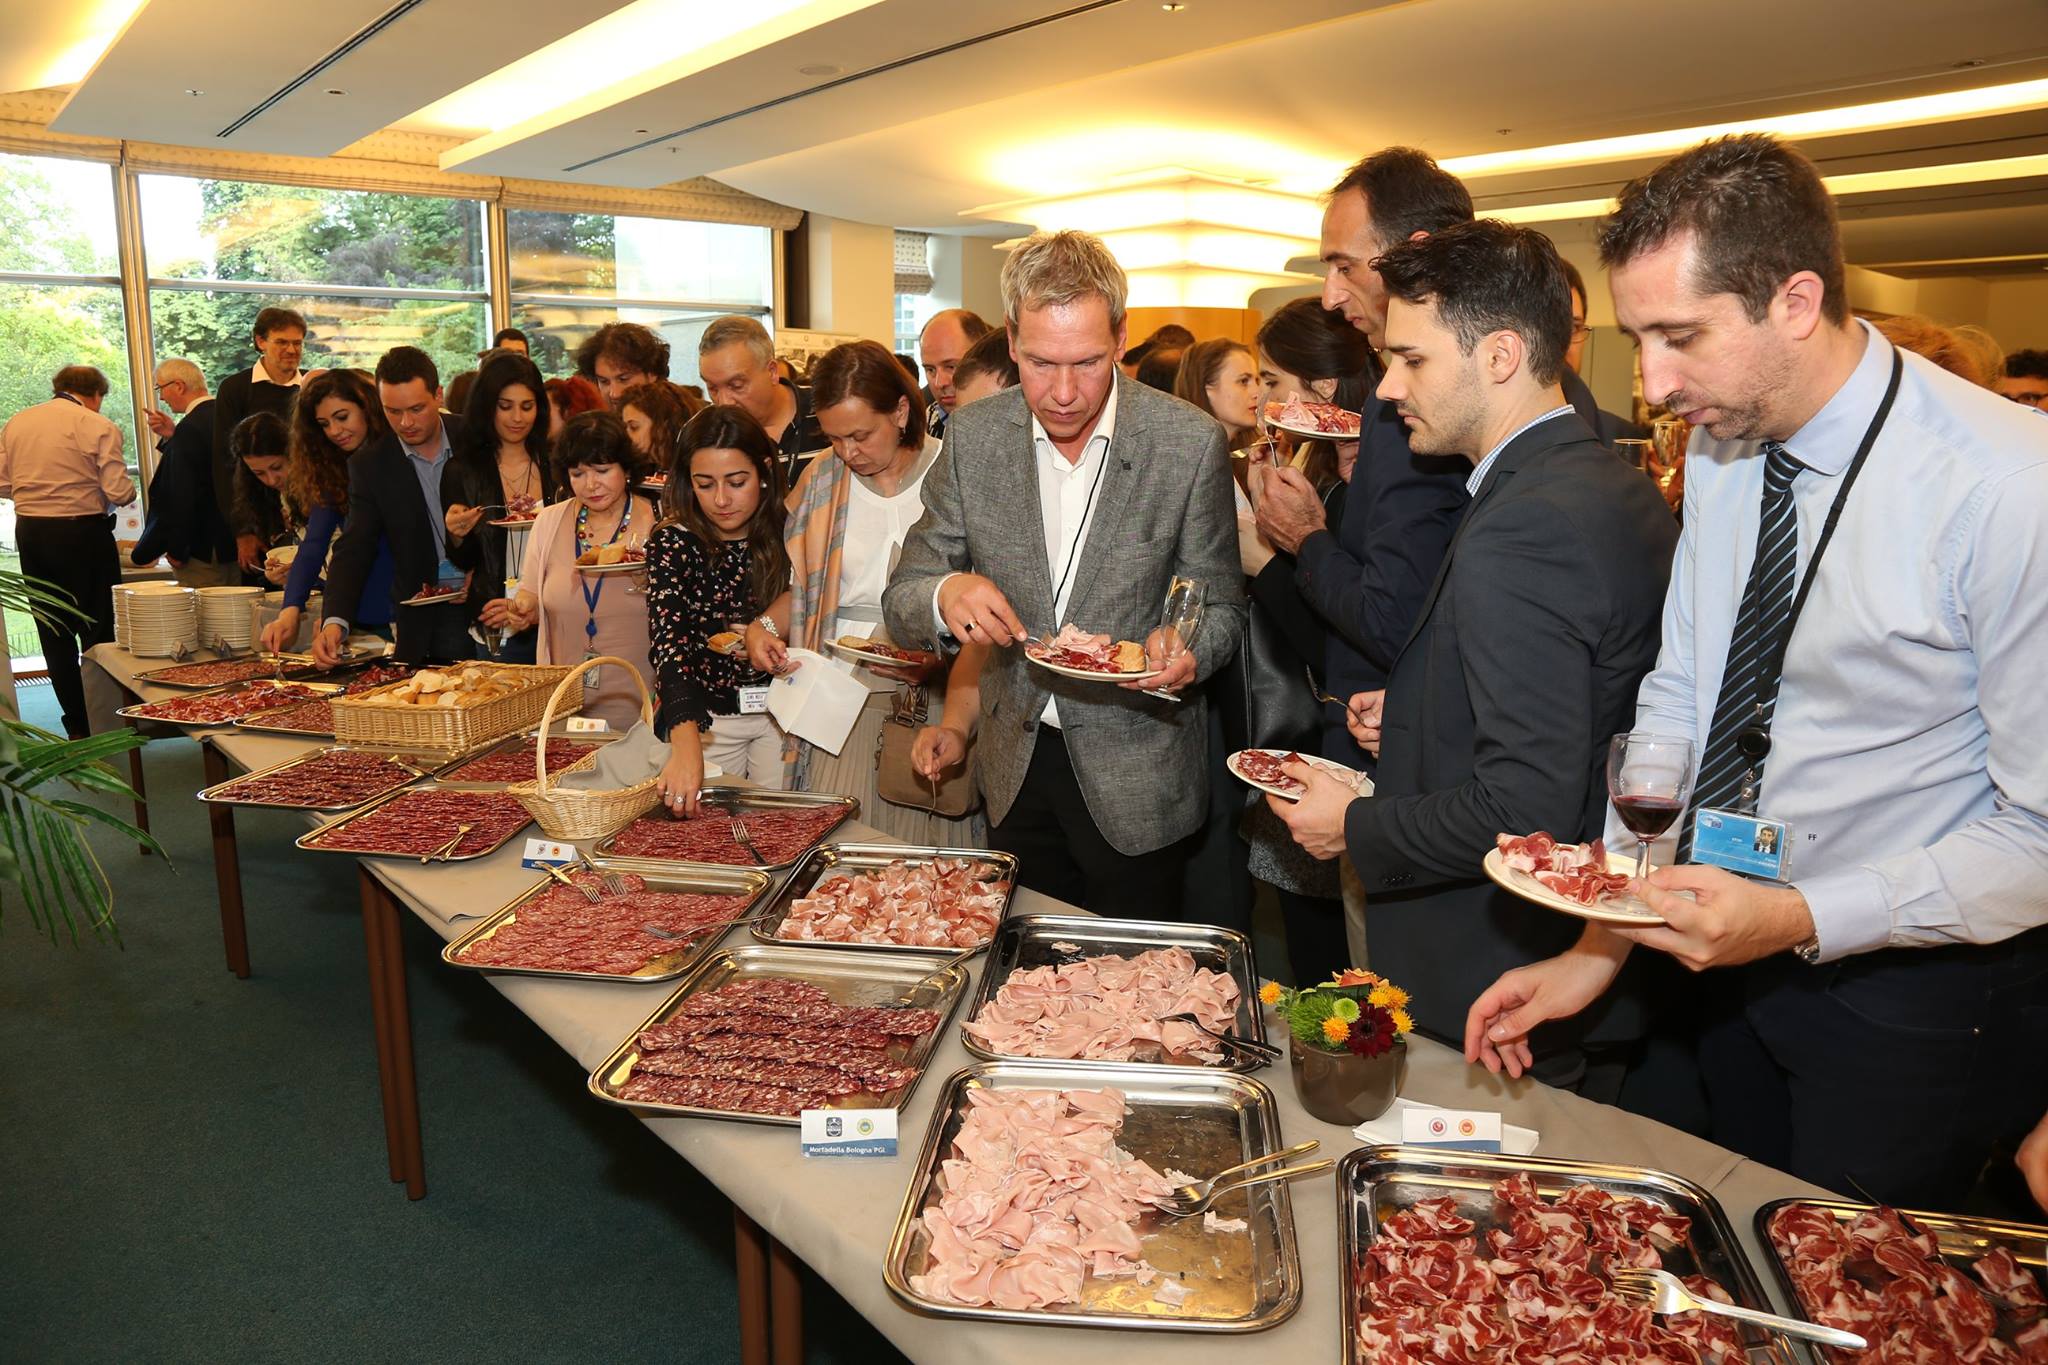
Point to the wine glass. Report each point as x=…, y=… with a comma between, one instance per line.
x=1649, y=778
x=1636, y=451
x=1179, y=619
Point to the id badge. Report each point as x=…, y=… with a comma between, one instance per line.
x=593, y=680
x=1748, y=844
x=754, y=700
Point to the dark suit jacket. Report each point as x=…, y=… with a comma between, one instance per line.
x=1367, y=575
x=1524, y=661
x=235, y=399
x=184, y=517
x=384, y=501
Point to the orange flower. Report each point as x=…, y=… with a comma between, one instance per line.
x=1270, y=992
x=1354, y=976
x=1336, y=1030
x=1402, y=1022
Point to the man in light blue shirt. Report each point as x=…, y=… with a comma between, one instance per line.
x=1885, y=1011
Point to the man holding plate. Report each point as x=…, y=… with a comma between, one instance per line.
x=1075, y=499
x=1526, y=655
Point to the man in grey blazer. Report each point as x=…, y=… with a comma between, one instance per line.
x=1076, y=498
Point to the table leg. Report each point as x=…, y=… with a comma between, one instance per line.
x=383, y=911
x=141, y=797
x=227, y=867
x=786, y=1304
x=750, y=1250
x=373, y=953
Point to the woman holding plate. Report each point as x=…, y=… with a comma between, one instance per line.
x=848, y=520
x=337, y=415
x=581, y=615
x=499, y=472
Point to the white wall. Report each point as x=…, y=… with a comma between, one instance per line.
x=852, y=277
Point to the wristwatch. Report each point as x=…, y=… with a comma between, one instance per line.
x=767, y=623
x=1809, y=951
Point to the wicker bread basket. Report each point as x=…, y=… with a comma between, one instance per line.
x=566, y=813
x=453, y=729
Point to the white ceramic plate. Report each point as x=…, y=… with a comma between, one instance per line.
x=515, y=523
x=1316, y=433
x=1089, y=674
x=1624, y=909
x=429, y=599
x=1350, y=777
x=862, y=656
x=608, y=570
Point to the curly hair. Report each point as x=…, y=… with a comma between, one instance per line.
x=626, y=342
x=666, y=409
x=317, y=475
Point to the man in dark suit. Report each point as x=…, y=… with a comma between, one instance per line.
x=185, y=525
x=1528, y=650
x=1612, y=426
x=270, y=385
x=394, y=493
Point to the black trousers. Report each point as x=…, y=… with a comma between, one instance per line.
x=77, y=555
x=436, y=634
x=1060, y=853
x=1317, y=948
x=1903, y=1068
x=1217, y=878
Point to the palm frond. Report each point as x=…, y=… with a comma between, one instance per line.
x=40, y=598
x=44, y=850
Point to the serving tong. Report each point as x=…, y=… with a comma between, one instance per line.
x=441, y=854
x=1662, y=1292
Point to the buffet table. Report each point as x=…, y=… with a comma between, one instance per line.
x=837, y=1215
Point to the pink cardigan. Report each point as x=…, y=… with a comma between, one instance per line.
x=550, y=568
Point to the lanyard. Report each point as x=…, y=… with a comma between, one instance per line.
x=1753, y=741
x=592, y=593
x=1088, y=507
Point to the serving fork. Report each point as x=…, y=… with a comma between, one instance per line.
x=1179, y=1204
x=720, y=925
x=589, y=892
x=745, y=840
x=614, y=884
x=1264, y=1054
x=1202, y=1191
x=444, y=850
x=1662, y=1292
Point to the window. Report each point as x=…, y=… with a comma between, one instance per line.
x=369, y=270
x=60, y=304
x=914, y=302
x=573, y=272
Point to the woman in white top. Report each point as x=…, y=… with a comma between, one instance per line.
x=848, y=520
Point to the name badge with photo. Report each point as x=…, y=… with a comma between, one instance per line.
x=1739, y=842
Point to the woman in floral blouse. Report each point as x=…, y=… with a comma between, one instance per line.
x=713, y=564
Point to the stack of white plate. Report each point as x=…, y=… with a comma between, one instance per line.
x=156, y=619
x=228, y=616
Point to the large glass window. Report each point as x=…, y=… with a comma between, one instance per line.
x=573, y=272
x=60, y=304
x=369, y=270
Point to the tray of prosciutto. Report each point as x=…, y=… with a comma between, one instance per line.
x=326, y=779
x=220, y=672
x=984, y=1234
x=1321, y=421
x=224, y=705
x=782, y=826
x=657, y=926
x=421, y=822
x=1916, y=1286
x=1467, y=1256
x=1096, y=992
x=879, y=897
x=761, y=1032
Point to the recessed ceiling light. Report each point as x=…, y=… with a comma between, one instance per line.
x=195, y=93
x=1173, y=9
x=819, y=69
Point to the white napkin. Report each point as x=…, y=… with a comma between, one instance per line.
x=625, y=762
x=818, y=701
x=1386, y=1130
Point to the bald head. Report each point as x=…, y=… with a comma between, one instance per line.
x=940, y=346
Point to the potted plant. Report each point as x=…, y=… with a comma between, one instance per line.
x=1347, y=1043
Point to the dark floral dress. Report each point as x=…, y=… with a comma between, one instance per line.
x=694, y=591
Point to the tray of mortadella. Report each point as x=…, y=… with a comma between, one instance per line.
x=983, y=1233
x=654, y=926
x=892, y=897
x=1470, y=1256
x=781, y=826
x=331, y=779
x=761, y=1032
x=1916, y=1286
x=426, y=823
x=1097, y=992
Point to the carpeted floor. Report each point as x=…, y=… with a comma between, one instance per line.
x=192, y=1167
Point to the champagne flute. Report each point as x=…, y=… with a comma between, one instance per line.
x=1179, y=619
x=1649, y=778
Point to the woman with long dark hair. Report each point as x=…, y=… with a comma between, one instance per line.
x=499, y=471
x=260, y=445
x=714, y=563
x=337, y=414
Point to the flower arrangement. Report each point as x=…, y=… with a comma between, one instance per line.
x=1355, y=1011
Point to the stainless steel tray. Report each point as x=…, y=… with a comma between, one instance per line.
x=420, y=765
x=829, y=860
x=744, y=799
x=1183, y=1118
x=295, y=667
x=1962, y=1239
x=342, y=676
x=140, y=711
x=1373, y=1182
x=737, y=881
x=305, y=840
x=1026, y=941
x=850, y=979
x=449, y=765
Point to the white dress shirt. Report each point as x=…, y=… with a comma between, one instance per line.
x=259, y=375
x=1907, y=749
x=1068, y=494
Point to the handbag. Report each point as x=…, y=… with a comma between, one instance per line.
x=897, y=780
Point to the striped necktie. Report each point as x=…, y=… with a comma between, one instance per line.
x=1749, y=683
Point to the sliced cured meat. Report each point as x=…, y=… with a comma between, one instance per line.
x=940, y=904
x=332, y=778
x=1078, y=649
x=1300, y=414
x=515, y=762
x=214, y=673
x=219, y=708
x=561, y=930
x=418, y=822
x=782, y=834
x=2011, y=1283
x=1109, y=1008
x=1577, y=872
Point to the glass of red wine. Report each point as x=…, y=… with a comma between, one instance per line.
x=1649, y=778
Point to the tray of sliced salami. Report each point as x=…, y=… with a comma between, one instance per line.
x=1916, y=1286
x=207, y=673
x=316, y=717
x=781, y=826
x=511, y=760
x=333, y=779
x=1495, y=1252
x=225, y=705
x=424, y=823
x=762, y=1032
x=645, y=925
